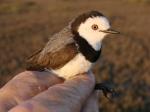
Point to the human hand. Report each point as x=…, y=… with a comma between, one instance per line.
x=45, y=92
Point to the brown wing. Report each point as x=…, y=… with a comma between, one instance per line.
x=51, y=60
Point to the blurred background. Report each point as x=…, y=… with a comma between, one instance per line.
x=26, y=25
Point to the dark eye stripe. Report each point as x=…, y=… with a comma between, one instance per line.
x=94, y=27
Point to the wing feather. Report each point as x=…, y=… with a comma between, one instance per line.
x=58, y=51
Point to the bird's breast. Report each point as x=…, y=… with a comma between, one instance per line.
x=79, y=64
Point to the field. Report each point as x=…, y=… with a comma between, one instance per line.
x=26, y=25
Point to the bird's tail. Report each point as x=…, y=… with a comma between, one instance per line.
x=32, y=62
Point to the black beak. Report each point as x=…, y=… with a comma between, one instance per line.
x=110, y=31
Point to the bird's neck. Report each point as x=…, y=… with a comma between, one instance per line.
x=87, y=49
x=96, y=45
x=94, y=40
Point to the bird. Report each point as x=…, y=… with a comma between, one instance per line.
x=74, y=49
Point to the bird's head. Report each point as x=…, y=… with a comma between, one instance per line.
x=93, y=27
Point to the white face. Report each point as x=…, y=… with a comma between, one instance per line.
x=90, y=30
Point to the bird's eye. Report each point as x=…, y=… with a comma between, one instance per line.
x=94, y=27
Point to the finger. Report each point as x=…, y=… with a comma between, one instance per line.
x=91, y=105
x=66, y=97
x=24, y=86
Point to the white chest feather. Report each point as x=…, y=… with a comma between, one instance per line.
x=76, y=66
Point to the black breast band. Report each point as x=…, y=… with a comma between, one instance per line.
x=86, y=49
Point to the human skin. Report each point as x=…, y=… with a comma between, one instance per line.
x=32, y=91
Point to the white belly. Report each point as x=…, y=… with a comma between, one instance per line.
x=76, y=66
